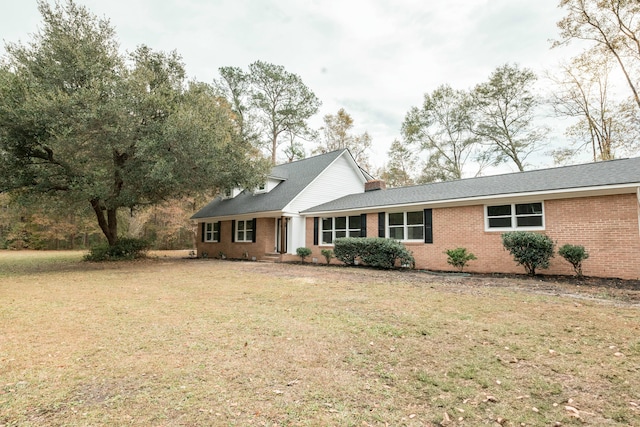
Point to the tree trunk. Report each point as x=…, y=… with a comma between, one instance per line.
x=274, y=147
x=108, y=224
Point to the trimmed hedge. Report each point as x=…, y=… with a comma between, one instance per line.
x=124, y=249
x=574, y=254
x=372, y=251
x=531, y=250
x=303, y=253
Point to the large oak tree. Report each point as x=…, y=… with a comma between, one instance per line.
x=81, y=121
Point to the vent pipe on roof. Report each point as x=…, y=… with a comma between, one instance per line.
x=374, y=184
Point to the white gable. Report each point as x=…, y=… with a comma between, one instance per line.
x=267, y=185
x=339, y=179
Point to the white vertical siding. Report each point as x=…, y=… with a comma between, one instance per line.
x=339, y=179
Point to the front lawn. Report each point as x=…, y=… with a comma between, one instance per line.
x=180, y=342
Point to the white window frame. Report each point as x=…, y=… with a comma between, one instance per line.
x=349, y=231
x=262, y=188
x=210, y=232
x=405, y=226
x=514, y=218
x=244, y=230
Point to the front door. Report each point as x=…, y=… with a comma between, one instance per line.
x=282, y=234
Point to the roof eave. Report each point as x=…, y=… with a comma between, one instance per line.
x=266, y=214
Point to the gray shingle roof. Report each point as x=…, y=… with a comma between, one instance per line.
x=297, y=175
x=613, y=172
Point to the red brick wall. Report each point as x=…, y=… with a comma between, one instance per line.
x=265, y=241
x=606, y=225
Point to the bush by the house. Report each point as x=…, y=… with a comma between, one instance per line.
x=124, y=249
x=373, y=251
x=327, y=254
x=347, y=249
x=531, y=250
x=574, y=254
x=459, y=257
x=303, y=253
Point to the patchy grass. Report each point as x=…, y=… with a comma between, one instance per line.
x=177, y=342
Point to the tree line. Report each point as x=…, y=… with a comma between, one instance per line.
x=94, y=141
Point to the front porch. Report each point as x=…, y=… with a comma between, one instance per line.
x=273, y=239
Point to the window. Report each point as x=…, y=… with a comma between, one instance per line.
x=341, y=226
x=212, y=232
x=262, y=188
x=515, y=216
x=406, y=225
x=244, y=230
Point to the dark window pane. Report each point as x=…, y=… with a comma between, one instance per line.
x=396, y=218
x=250, y=225
x=500, y=222
x=529, y=221
x=396, y=233
x=327, y=223
x=529, y=208
x=216, y=227
x=415, y=233
x=341, y=234
x=499, y=210
x=354, y=222
x=240, y=236
x=209, y=226
x=415, y=217
x=240, y=226
x=341, y=222
x=249, y=235
x=327, y=237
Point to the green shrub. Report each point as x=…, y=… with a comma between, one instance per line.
x=459, y=257
x=327, y=254
x=347, y=249
x=574, y=254
x=303, y=253
x=531, y=250
x=124, y=249
x=373, y=251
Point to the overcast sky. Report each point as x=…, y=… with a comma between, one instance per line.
x=375, y=58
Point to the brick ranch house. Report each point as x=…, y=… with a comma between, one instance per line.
x=312, y=202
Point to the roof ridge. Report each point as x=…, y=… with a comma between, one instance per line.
x=310, y=158
x=592, y=163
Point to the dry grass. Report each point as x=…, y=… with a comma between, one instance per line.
x=178, y=342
